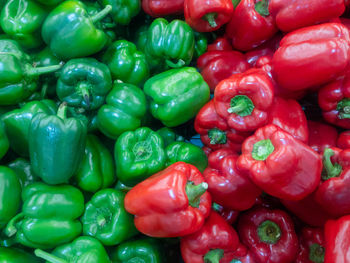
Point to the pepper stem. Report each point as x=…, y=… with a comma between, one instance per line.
x=262, y=150
x=242, y=105
x=262, y=7
x=101, y=220
x=235, y=3
x=84, y=90
x=216, y=207
x=194, y=192
x=343, y=107
x=100, y=15
x=331, y=170
x=217, y=136
x=62, y=110
x=210, y=17
x=11, y=228
x=269, y=232
x=48, y=257
x=316, y=253
x=31, y=71
x=178, y=64
x=214, y=256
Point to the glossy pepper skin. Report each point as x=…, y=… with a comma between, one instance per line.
x=251, y=25
x=169, y=136
x=228, y=214
x=207, y=16
x=321, y=136
x=47, y=209
x=70, y=32
x=171, y=203
x=269, y=235
x=324, y=56
x=105, y=218
x=84, y=82
x=126, y=63
x=280, y=164
x=311, y=246
x=343, y=141
x=214, y=242
x=56, y=145
x=160, y=8
x=291, y=15
x=216, y=66
x=4, y=141
x=15, y=255
x=244, y=100
x=200, y=44
x=227, y=185
x=23, y=170
x=123, y=10
x=176, y=95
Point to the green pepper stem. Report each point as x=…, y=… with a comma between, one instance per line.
x=316, y=253
x=100, y=15
x=48, y=257
x=210, y=17
x=213, y=256
x=332, y=170
x=84, y=89
x=269, y=232
x=217, y=136
x=101, y=220
x=11, y=228
x=194, y=192
x=235, y=3
x=62, y=110
x=262, y=7
x=42, y=70
x=241, y=105
x=216, y=207
x=180, y=63
x=262, y=150
x=343, y=108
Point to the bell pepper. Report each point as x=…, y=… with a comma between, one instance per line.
x=84, y=82
x=250, y=25
x=242, y=255
x=56, y=145
x=311, y=56
x=216, y=66
x=140, y=37
x=4, y=141
x=200, y=44
x=106, y=219
x=23, y=170
x=280, y=164
x=311, y=246
x=126, y=63
x=169, y=136
x=70, y=32
x=123, y=10
x=269, y=235
x=207, y=16
x=321, y=136
x=159, y=8
x=291, y=15
x=343, y=141
x=49, y=3
x=176, y=95
x=226, y=184
x=96, y=170
x=228, y=214
x=49, y=216
x=89, y=117
x=171, y=203
x=15, y=255
x=17, y=123
x=244, y=100
x=214, y=242
x=214, y=131
x=82, y=249
x=221, y=43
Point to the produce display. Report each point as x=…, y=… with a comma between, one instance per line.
x=174, y=131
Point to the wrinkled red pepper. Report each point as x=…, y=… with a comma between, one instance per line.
x=228, y=186
x=221, y=43
x=229, y=215
x=321, y=136
x=160, y=8
x=311, y=246
x=343, y=141
x=207, y=15
x=244, y=100
x=280, y=164
x=170, y=203
x=269, y=235
x=311, y=56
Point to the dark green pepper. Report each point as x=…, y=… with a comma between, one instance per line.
x=49, y=3
x=56, y=145
x=24, y=171
x=124, y=109
x=200, y=44
x=4, y=141
x=84, y=82
x=169, y=136
x=15, y=255
x=106, y=219
x=123, y=10
x=140, y=37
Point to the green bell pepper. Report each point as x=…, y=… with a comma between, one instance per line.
x=123, y=10
x=138, y=154
x=4, y=141
x=106, y=219
x=24, y=171
x=70, y=32
x=56, y=145
x=200, y=44
x=126, y=63
x=125, y=107
x=49, y=3
x=17, y=123
x=81, y=250
x=169, y=136
x=49, y=216
x=84, y=82
x=89, y=117
x=140, y=37
x=15, y=255
x=177, y=95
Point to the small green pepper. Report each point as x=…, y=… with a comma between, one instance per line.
x=123, y=10
x=24, y=171
x=15, y=255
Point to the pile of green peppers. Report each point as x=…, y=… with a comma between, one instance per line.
x=95, y=97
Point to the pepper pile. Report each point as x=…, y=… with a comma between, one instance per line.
x=160, y=131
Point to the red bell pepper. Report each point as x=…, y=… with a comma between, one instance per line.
x=343, y=141
x=251, y=25
x=214, y=131
x=321, y=136
x=269, y=235
x=227, y=186
x=216, y=66
x=291, y=15
x=334, y=100
x=290, y=117
x=311, y=56
x=242, y=255
x=214, y=242
x=229, y=215
x=221, y=43
x=160, y=8
x=171, y=203
x=311, y=246
x=207, y=15
x=244, y=100
x=336, y=234
x=279, y=164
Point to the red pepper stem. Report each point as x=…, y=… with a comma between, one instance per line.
x=235, y=3
x=217, y=136
x=262, y=150
x=241, y=105
x=48, y=257
x=31, y=71
x=332, y=170
x=343, y=107
x=214, y=256
x=210, y=17
x=316, y=253
x=11, y=228
x=262, y=7
x=194, y=192
x=100, y=15
x=269, y=232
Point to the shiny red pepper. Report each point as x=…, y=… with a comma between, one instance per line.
x=269, y=235
x=244, y=100
x=160, y=8
x=214, y=242
x=170, y=203
x=343, y=141
x=311, y=56
x=242, y=255
x=279, y=164
x=229, y=215
x=311, y=246
x=228, y=186
x=321, y=136
x=207, y=15
x=221, y=43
